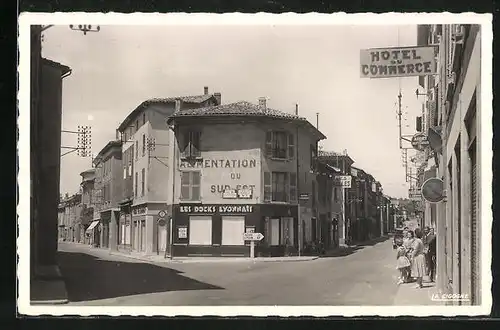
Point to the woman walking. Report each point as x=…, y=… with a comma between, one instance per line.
x=418, y=258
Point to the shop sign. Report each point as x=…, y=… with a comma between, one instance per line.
x=343, y=181
x=182, y=232
x=415, y=194
x=398, y=62
x=162, y=214
x=204, y=209
x=419, y=141
x=139, y=210
x=433, y=190
x=304, y=197
x=229, y=194
x=245, y=193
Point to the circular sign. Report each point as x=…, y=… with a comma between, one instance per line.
x=433, y=190
x=161, y=222
x=419, y=141
x=162, y=214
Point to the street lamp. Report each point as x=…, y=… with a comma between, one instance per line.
x=85, y=28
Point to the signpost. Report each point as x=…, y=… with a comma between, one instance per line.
x=252, y=237
x=419, y=141
x=162, y=222
x=433, y=190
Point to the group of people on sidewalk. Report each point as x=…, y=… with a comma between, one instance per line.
x=416, y=256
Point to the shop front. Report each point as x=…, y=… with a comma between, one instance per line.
x=217, y=230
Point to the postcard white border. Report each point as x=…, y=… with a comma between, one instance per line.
x=27, y=19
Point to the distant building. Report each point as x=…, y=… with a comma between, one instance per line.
x=88, y=229
x=147, y=181
x=108, y=192
x=239, y=168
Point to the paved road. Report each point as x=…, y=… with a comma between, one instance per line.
x=365, y=277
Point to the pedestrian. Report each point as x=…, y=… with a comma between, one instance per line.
x=402, y=264
x=431, y=241
x=425, y=240
x=408, y=245
x=417, y=258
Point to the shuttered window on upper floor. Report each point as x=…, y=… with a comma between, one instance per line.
x=280, y=145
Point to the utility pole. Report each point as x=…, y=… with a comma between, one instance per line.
x=399, y=120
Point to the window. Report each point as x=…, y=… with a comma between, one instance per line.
x=280, y=145
x=144, y=118
x=314, y=154
x=200, y=230
x=233, y=228
x=143, y=178
x=136, y=150
x=135, y=188
x=143, y=144
x=190, y=186
x=335, y=197
x=276, y=186
x=137, y=125
x=191, y=144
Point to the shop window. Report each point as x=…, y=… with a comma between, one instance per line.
x=280, y=145
x=233, y=228
x=190, y=186
x=190, y=144
x=200, y=230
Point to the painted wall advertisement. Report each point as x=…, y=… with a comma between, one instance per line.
x=398, y=62
x=230, y=178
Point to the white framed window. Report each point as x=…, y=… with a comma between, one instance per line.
x=190, y=185
x=233, y=228
x=200, y=230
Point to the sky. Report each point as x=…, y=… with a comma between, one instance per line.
x=317, y=67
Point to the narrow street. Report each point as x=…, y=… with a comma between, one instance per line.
x=365, y=277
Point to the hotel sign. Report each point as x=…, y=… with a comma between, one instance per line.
x=398, y=62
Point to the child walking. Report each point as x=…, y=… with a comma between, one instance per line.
x=403, y=264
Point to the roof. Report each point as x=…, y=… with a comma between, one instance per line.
x=241, y=109
x=64, y=68
x=333, y=154
x=107, y=147
x=145, y=104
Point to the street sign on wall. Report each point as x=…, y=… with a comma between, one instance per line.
x=415, y=194
x=398, y=62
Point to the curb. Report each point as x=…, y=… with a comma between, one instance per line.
x=49, y=302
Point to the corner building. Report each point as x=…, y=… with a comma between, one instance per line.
x=240, y=168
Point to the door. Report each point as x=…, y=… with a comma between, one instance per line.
x=233, y=228
x=143, y=235
x=162, y=237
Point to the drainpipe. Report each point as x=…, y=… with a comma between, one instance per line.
x=299, y=218
x=173, y=128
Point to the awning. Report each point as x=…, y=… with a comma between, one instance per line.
x=92, y=225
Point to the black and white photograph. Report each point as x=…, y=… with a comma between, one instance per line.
x=255, y=164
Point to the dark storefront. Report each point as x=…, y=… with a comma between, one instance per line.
x=217, y=230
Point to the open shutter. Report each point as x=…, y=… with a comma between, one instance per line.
x=184, y=143
x=287, y=187
x=269, y=144
x=195, y=144
x=291, y=146
x=267, y=187
x=293, y=187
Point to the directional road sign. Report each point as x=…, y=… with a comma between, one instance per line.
x=252, y=236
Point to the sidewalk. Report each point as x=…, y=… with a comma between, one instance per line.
x=408, y=295
x=48, y=287
x=184, y=260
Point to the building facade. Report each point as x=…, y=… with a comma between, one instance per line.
x=241, y=168
x=88, y=229
x=454, y=133
x=108, y=192
x=147, y=180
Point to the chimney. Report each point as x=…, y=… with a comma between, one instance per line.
x=218, y=97
x=262, y=102
x=177, y=105
x=296, y=109
x=205, y=90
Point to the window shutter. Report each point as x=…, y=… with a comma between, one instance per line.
x=287, y=187
x=267, y=186
x=185, y=185
x=195, y=186
x=269, y=144
x=293, y=187
x=195, y=144
x=291, y=146
x=183, y=145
